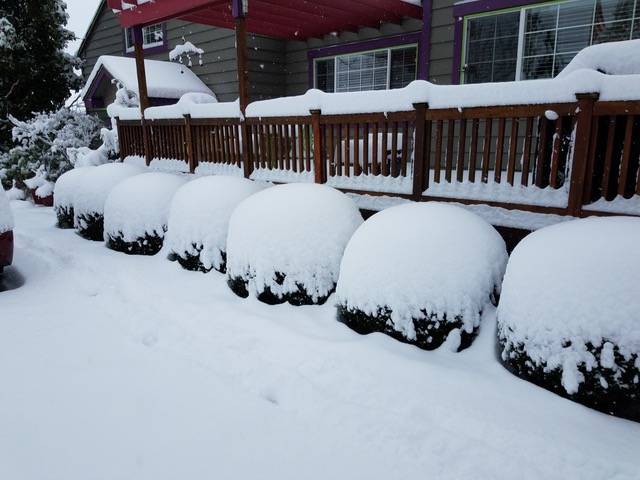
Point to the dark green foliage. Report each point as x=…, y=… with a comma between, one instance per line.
x=65, y=217
x=91, y=226
x=621, y=397
x=193, y=263
x=239, y=286
x=431, y=330
x=147, y=245
x=35, y=72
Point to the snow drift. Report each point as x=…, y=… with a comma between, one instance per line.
x=92, y=193
x=64, y=194
x=286, y=243
x=421, y=272
x=199, y=220
x=569, y=315
x=136, y=211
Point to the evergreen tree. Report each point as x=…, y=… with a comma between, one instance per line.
x=36, y=74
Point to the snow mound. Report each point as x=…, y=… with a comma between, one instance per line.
x=92, y=193
x=136, y=211
x=613, y=58
x=14, y=193
x=569, y=315
x=199, y=220
x=64, y=194
x=285, y=243
x=6, y=217
x=420, y=271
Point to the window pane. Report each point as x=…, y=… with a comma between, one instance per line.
x=492, y=47
x=611, y=32
x=325, y=75
x=573, y=39
x=543, y=18
x=362, y=71
x=613, y=10
x=537, y=67
x=575, y=14
x=403, y=66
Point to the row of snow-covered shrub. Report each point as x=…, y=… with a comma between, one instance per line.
x=423, y=273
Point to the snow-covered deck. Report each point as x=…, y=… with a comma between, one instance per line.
x=135, y=377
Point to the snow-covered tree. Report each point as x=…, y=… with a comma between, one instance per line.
x=42, y=143
x=35, y=72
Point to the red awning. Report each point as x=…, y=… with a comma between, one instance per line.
x=289, y=19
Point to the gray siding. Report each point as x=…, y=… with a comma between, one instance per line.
x=441, y=54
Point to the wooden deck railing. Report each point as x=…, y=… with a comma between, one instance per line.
x=553, y=158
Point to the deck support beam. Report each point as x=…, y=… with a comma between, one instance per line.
x=239, y=14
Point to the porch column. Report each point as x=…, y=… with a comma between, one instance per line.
x=424, y=43
x=239, y=13
x=143, y=96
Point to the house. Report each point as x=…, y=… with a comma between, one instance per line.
x=376, y=44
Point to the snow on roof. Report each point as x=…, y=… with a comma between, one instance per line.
x=164, y=79
x=614, y=58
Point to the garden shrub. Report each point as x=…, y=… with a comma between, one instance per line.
x=420, y=273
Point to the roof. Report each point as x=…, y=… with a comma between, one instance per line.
x=287, y=19
x=164, y=79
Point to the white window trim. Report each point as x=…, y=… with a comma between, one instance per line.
x=521, y=35
x=130, y=48
x=335, y=66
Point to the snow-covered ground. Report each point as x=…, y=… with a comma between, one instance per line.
x=120, y=367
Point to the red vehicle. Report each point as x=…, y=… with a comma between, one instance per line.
x=6, y=231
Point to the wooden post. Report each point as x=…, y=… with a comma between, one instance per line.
x=143, y=96
x=418, y=149
x=241, y=55
x=145, y=141
x=318, y=159
x=245, y=143
x=119, y=133
x=584, y=119
x=191, y=157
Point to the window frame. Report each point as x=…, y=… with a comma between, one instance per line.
x=522, y=8
x=159, y=44
x=388, y=49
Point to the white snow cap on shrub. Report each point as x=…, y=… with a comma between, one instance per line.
x=200, y=213
x=139, y=205
x=6, y=217
x=67, y=186
x=299, y=230
x=570, y=284
x=422, y=256
x=97, y=184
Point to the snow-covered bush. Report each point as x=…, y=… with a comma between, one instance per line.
x=136, y=211
x=64, y=195
x=91, y=195
x=421, y=272
x=285, y=243
x=199, y=220
x=42, y=143
x=569, y=314
x=14, y=193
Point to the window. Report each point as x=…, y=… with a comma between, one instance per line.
x=374, y=70
x=152, y=36
x=539, y=41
